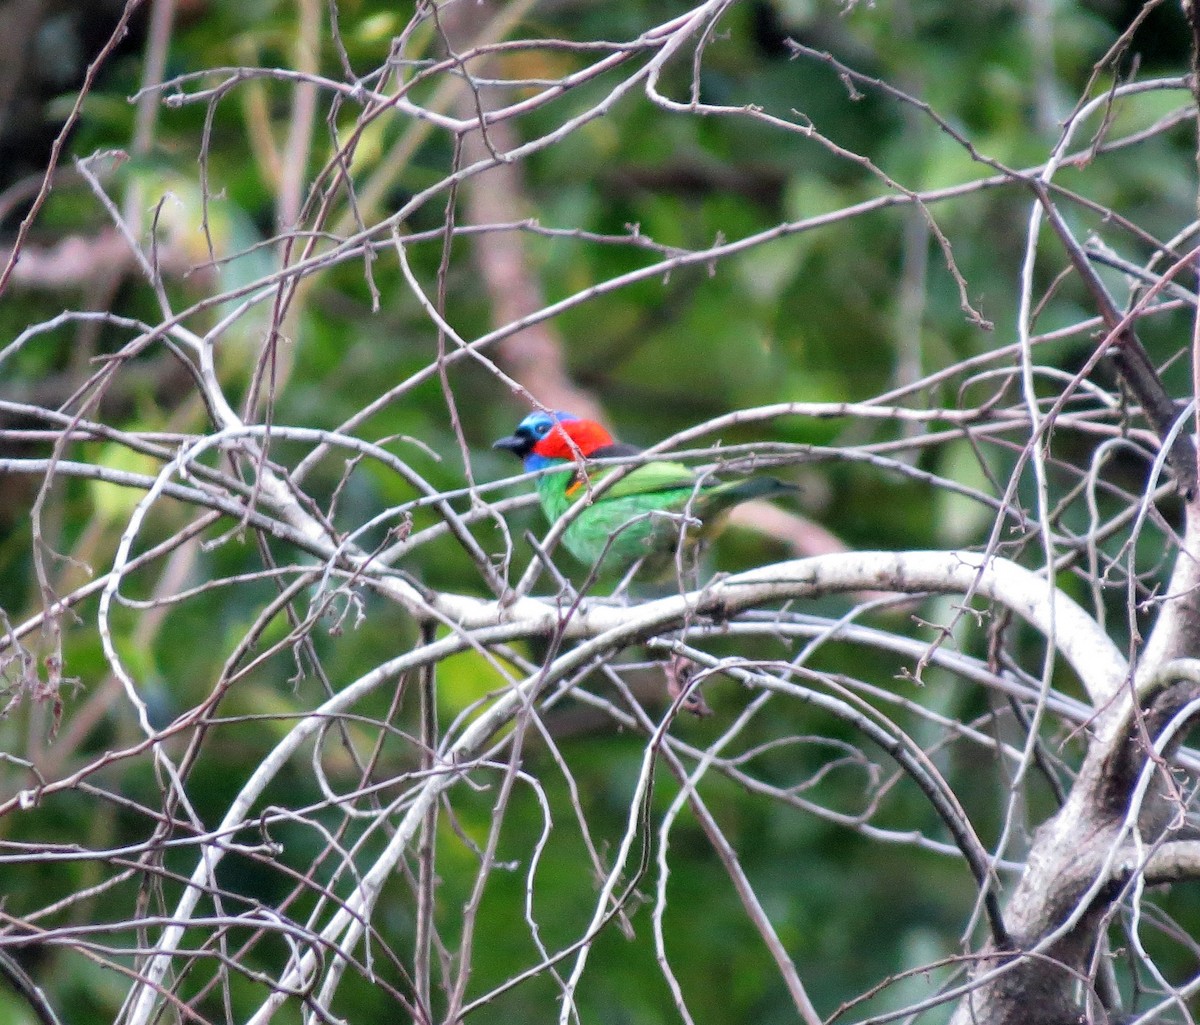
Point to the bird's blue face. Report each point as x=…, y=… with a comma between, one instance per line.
x=530, y=431
x=536, y=426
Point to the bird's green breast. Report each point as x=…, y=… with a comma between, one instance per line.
x=641, y=514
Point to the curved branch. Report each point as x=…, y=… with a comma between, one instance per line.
x=1175, y=862
x=603, y=629
x=32, y=993
x=1098, y=662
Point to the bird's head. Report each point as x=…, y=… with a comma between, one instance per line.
x=542, y=439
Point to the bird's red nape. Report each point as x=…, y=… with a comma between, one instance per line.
x=572, y=438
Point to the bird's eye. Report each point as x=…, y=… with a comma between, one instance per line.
x=542, y=429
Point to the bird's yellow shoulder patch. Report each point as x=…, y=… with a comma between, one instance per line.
x=578, y=480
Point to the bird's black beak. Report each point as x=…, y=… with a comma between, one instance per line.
x=515, y=444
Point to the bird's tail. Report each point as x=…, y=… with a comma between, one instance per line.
x=725, y=496
x=759, y=487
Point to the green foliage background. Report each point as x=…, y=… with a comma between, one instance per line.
x=817, y=316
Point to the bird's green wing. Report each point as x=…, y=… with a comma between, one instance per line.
x=649, y=479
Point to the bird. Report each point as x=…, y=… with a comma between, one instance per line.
x=642, y=516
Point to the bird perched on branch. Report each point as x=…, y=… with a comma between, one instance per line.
x=645, y=513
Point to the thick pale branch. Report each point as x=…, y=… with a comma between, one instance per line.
x=1120, y=806
x=604, y=628
x=1176, y=632
x=1175, y=862
x=1098, y=662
